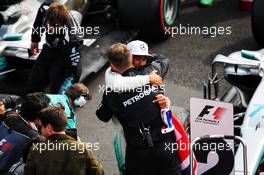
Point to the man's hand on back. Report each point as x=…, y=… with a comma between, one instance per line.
x=154, y=78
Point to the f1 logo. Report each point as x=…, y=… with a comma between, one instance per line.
x=205, y=110
x=217, y=115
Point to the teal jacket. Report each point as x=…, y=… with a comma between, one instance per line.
x=64, y=100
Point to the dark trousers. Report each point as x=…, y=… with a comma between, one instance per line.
x=153, y=161
x=51, y=68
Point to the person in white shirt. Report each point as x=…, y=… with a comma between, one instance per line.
x=141, y=58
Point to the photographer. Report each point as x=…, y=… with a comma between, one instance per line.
x=19, y=129
x=71, y=100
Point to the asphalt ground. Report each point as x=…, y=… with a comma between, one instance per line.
x=190, y=56
x=190, y=63
x=191, y=49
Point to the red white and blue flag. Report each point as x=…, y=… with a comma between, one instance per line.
x=172, y=123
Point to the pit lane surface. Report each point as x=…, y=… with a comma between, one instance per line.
x=190, y=56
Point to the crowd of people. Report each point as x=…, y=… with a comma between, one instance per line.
x=44, y=119
x=134, y=96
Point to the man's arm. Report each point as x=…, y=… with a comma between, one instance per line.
x=121, y=83
x=103, y=111
x=38, y=23
x=161, y=64
x=38, y=27
x=93, y=166
x=30, y=165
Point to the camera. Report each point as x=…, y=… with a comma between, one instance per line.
x=8, y=102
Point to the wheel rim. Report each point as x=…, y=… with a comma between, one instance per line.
x=170, y=11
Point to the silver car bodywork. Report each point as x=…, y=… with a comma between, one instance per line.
x=24, y=25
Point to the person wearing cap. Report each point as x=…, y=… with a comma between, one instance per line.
x=142, y=58
x=150, y=67
x=139, y=112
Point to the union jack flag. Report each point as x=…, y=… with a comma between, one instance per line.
x=172, y=123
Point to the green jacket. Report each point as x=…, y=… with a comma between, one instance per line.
x=62, y=155
x=64, y=100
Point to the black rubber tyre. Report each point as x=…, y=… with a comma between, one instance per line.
x=152, y=17
x=257, y=19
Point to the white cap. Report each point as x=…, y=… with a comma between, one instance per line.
x=138, y=48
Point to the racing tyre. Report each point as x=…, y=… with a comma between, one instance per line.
x=154, y=18
x=257, y=21
x=261, y=167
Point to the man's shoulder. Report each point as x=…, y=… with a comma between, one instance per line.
x=133, y=72
x=16, y=123
x=80, y=148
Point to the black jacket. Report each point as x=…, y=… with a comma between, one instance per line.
x=57, y=39
x=16, y=123
x=135, y=107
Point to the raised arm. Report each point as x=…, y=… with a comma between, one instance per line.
x=117, y=82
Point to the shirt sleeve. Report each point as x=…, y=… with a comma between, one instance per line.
x=161, y=64
x=30, y=165
x=117, y=82
x=103, y=111
x=38, y=23
x=93, y=166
